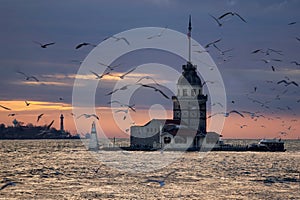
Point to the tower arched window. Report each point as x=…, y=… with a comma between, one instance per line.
x=184, y=92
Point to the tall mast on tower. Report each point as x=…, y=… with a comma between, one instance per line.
x=189, y=37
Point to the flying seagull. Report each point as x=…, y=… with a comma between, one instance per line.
x=131, y=107
x=159, y=34
x=28, y=77
x=39, y=117
x=126, y=73
x=148, y=77
x=161, y=181
x=288, y=83
x=109, y=67
x=44, y=45
x=232, y=14
x=156, y=90
x=6, y=108
x=84, y=44
x=12, y=114
x=298, y=39
x=27, y=103
x=292, y=23
x=295, y=62
x=121, y=38
x=7, y=184
x=88, y=116
x=99, y=76
x=212, y=43
x=226, y=114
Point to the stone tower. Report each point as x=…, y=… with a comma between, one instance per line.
x=189, y=105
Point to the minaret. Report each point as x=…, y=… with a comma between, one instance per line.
x=189, y=34
x=94, y=145
x=62, y=123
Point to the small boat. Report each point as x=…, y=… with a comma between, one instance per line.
x=268, y=145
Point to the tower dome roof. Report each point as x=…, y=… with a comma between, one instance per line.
x=189, y=76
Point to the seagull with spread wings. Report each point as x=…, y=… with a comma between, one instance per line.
x=89, y=116
x=99, y=76
x=44, y=45
x=121, y=38
x=159, y=34
x=125, y=74
x=84, y=44
x=160, y=181
x=156, y=90
x=288, y=83
x=148, y=78
x=28, y=77
x=232, y=14
x=39, y=117
x=226, y=114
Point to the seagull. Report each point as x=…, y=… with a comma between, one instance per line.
x=84, y=44
x=159, y=34
x=213, y=43
x=44, y=45
x=218, y=21
x=256, y=51
x=121, y=38
x=109, y=67
x=156, y=90
x=126, y=73
x=88, y=116
x=292, y=23
x=110, y=93
x=242, y=126
x=7, y=184
x=255, y=89
x=232, y=14
x=295, y=62
x=148, y=77
x=99, y=76
x=27, y=103
x=6, y=108
x=28, y=77
x=273, y=68
x=226, y=114
x=217, y=104
x=131, y=107
x=288, y=83
x=161, y=182
x=39, y=117
x=298, y=39
x=12, y=114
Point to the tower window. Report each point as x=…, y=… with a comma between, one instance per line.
x=184, y=92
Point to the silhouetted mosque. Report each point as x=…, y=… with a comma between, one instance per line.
x=187, y=129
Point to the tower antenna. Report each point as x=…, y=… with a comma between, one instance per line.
x=189, y=37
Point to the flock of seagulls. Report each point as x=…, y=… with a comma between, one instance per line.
x=267, y=53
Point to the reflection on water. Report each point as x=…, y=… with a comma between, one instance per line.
x=64, y=169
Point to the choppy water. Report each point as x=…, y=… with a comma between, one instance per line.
x=63, y=169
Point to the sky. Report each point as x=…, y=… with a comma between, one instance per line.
x=70, y=22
